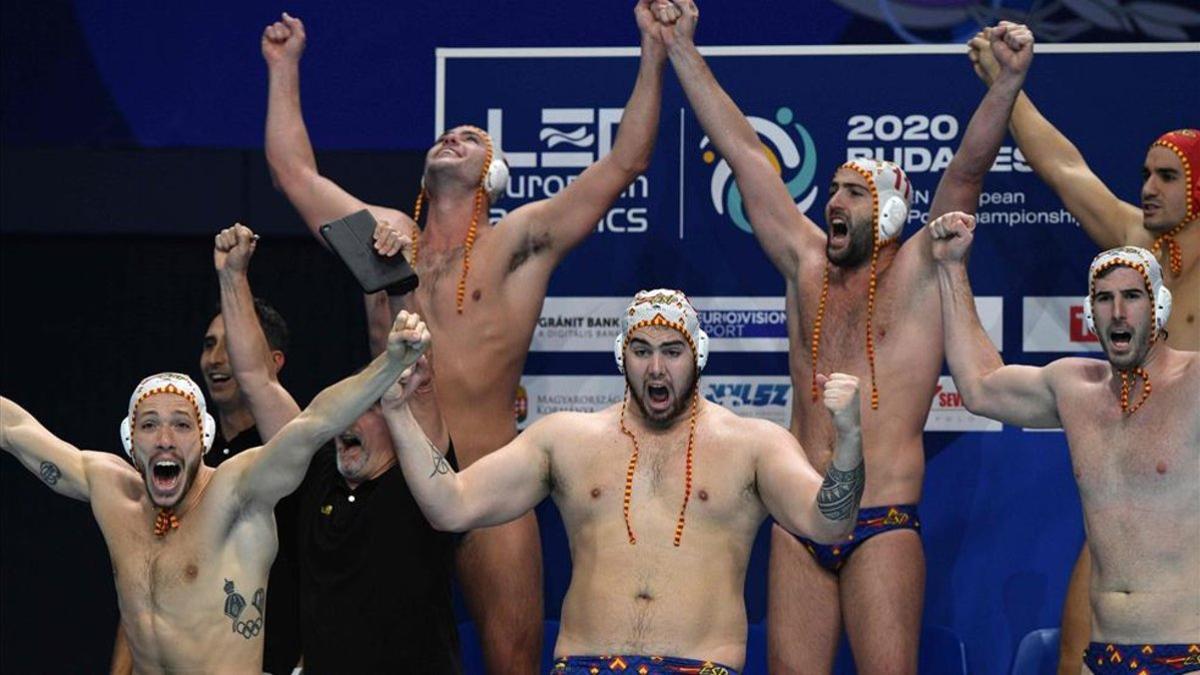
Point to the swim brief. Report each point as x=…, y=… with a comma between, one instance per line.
x=636, y=665
x=871, y=521
x=1109, y=659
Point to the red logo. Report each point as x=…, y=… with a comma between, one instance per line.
x=1079, y=331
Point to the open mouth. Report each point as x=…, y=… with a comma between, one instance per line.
x=166, y=473
x=219, y=378
x=839, y=231
x=658, y=394
x=1120, y=339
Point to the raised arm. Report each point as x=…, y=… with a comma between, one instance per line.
x=781, y=229
x=566, y=219
x=250, y=356
x=502, y=486
x=60, y=465
x=1106, y=219
x=275, y=470
x=1018, y=395
x=1011, y=46
x=289, y=153
x=800, y=501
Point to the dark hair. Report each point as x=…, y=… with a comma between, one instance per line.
x=272, y=323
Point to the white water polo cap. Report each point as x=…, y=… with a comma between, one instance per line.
x=663, y=307
x=1141, y=260
x=891, y=192
x=169, y=383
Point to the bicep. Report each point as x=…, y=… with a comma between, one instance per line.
x=269, y=473
x=787, y=482
x=779, y=225
x=272, y=407
x=1017, y=395
x=566, y=219
x=507, y=482
x=1106, y=219
x=52, y=460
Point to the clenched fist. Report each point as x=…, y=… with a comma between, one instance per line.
x=234, y=247
x=408, y=339
x=840, y=393
x=952, y=235
x=283, y=41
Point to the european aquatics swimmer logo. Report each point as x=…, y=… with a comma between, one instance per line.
x=791, y=150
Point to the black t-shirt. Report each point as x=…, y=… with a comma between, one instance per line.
x=374, y=577
x=281, y=648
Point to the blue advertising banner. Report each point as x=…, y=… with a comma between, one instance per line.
x=1001, y=511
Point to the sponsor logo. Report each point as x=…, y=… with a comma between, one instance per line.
x=571, y=139
x=948, y=414
x=547, y=394
x=591, y=324
x=791, y=150
x=764, y=397
x=1055, y=324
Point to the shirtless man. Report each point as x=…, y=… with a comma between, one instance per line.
x=481, y=292
x=1165, y=224
x=661, y=497
x=191, y=545
x=1136, y=451
x=860, y=304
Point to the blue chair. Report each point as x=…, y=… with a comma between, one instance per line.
x=472, y=653
x=1037, y=654
x=941, y=652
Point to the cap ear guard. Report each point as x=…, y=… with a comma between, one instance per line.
x=701, y=349
x=495, y=181
x=1162, y=308
x=892, y=214
x=619, y=352
x=1089, y=319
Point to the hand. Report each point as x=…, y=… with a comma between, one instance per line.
x=678, y=19
x=650, y=29
x=952, y=235
x=979, y=51
x=283, y=41
x=841, y=399
x=234, y=247
x=408, y=339
x=1012, y=46
x=390, y=240
x=412, y=379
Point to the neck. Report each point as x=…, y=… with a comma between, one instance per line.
x=235, y=419
x=450, y=212
x=1186, y=238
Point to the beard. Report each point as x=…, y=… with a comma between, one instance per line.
x=858, y=249
x=664, y=418
x=1131, y=357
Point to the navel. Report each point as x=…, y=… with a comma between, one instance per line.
x=595, y=493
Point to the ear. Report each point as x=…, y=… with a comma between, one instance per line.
x=277, y=360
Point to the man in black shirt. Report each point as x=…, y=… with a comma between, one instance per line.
x=367, y=582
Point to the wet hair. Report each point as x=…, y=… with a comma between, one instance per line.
x=272, y=323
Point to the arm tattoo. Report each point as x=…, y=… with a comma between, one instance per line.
x=841, y=491
x=440, y=465
x=50, y=473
